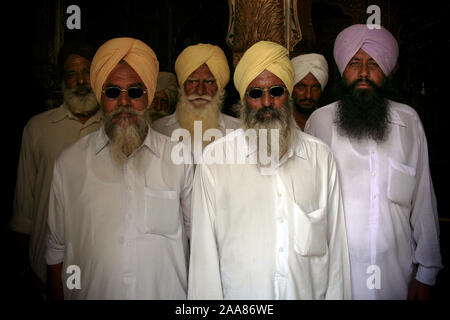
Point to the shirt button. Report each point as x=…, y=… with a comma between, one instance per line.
x=375, y=196
x=281, y=250
x=373, y=174
x=281, y=220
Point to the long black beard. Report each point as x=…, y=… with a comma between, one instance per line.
x=363, y=113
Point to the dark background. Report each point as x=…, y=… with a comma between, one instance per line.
x=168, y=26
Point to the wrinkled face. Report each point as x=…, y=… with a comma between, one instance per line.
x=361, y=68
x=200, y=86
x=76, y=74
x=265, y=81
x=123, y=76
x=307, y=91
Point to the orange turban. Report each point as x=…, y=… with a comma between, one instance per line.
x=136, y=53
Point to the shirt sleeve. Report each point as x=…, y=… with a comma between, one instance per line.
x=22, y=219
x=424, y=219
x=204, y=273
x=339, y=285
x=55, y=237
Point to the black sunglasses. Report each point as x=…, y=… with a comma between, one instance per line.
x=115, y=92
x=257, y=93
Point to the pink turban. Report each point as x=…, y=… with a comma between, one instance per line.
x=380, y=44
x=135, y=52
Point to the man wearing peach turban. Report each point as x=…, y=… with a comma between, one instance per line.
x=311, y=77
x=202, y=72
x=285, y=238
x=119, y=208
x=381, y=152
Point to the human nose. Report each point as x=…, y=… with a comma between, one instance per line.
x=363, y=72
x=308, y=92
x=266, y=99
x=123, y=98
x=200, y=89
x=157, y=105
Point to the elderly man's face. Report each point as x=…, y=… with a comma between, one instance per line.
x=200, y=86
x=265, y=81
x=362, y=69
x=124, y=77
x=76, y=74
x=307, y=91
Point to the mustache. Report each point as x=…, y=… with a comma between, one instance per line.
x=308, y=100
x=196, y=96
x=360, y=80
x=84, y=87
x=128, y=110
x=274, y=112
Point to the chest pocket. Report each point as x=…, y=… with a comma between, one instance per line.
x=161, y=211
x=310, y=232
x=402, y=182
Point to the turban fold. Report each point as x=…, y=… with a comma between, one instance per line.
x=380, y=44
x=167, y=81
x=136, y=53
x=314, y=63
x=192, y=57
x=263, y=55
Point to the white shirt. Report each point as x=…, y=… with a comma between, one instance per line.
x=279, y=236
x=127, y=230
x=166, y=125
x=390, y=206
x=44, y=137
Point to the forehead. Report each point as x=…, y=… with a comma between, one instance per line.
x=75, y=61
x=123, y=74
x=202, y=72
x=309, y=80
x=362, y=55
x=265, y=79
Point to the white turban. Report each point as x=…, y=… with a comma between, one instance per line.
x=313, y=63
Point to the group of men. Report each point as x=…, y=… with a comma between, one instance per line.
x=345, y=211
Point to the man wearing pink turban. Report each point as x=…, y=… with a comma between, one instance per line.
x=119, y=208
x=382, y=157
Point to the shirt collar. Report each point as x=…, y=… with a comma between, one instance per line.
x=150, y=141
x=63, y=112
x=296, y=147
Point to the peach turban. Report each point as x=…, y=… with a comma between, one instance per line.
x=194, y=56
x=380, y=44
x=136, y=53
x=263, y=55
x=313, y=63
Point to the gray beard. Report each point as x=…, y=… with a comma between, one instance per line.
x=127, y=135
x=282, y=120
x=80, y=105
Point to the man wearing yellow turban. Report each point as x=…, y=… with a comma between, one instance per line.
x=119, y=207
x=202, y=72
x=285, y=238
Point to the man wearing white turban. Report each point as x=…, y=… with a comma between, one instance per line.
x=166, y=96
x=285, y=238
x=202, y=71
x=382, y=157
x=119, y=209
x=311, y=77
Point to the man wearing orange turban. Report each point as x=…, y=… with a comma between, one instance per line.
x=202, y=71
x=119, y=207
x=268, y=233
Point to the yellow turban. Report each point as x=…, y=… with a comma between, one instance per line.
x=136, y=53
x=194, y=56
x=263, y=55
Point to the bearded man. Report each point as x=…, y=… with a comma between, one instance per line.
x=382, y=156
x=311, y=77
x=119, y=208
x=268, y=234
x=202, y=72
x=44, y=137
x=166, y=96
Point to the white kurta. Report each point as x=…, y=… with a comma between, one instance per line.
x=127, y=230
x=389, y=202
x=280, y=236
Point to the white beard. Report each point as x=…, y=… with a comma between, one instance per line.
x=208, y=115
x=79, y=105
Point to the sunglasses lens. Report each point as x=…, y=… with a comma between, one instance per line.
x=276, y=91
x=255, y=93
x=112, y=92
x=135, y=93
